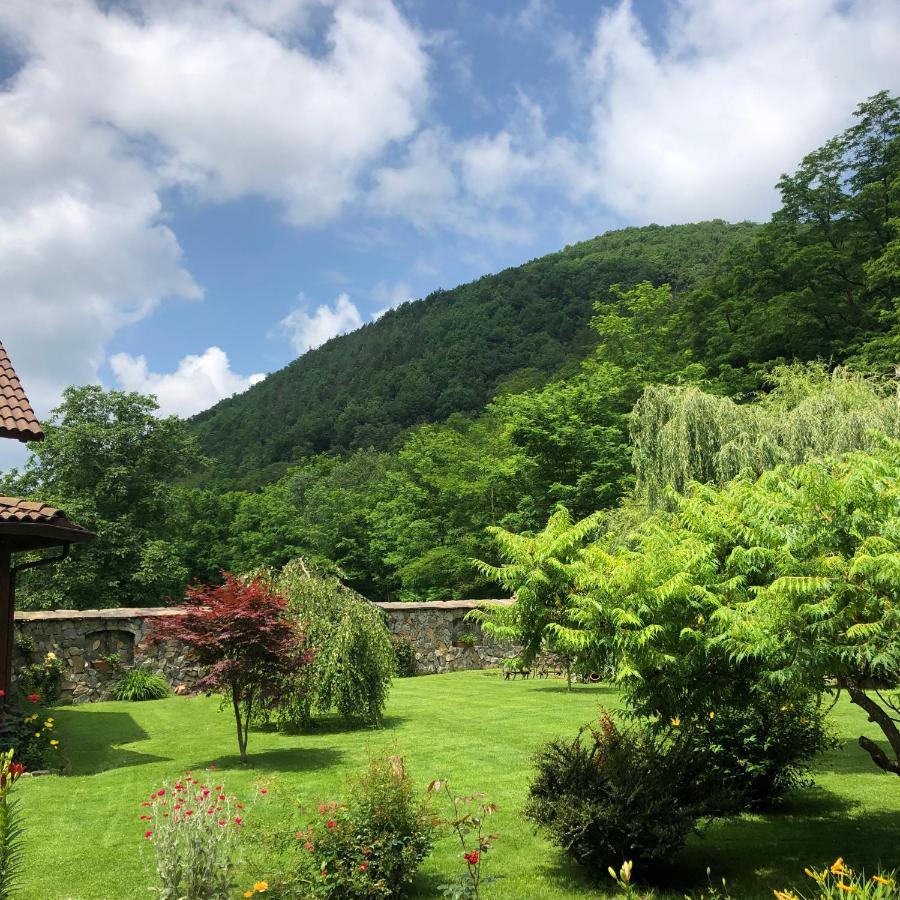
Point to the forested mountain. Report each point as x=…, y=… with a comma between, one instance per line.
x=450, y=352
x=385, y=455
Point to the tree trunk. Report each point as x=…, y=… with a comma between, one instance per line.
x=883, y=720
x=241, y=732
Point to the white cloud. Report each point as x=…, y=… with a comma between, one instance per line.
x=307, y=330
x=197, y=383
x=703, y=126
x=217, y=98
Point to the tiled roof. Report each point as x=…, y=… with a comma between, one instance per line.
x=15, y=509
x=22, y=518
x=17, y=418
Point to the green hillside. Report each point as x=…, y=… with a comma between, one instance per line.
x=450, y=352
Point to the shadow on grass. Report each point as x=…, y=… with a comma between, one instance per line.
x=284, y=759
x=92, y=740
x=335, y=724
x=560, y=688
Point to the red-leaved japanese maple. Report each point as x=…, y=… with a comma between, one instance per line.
x=241, y=633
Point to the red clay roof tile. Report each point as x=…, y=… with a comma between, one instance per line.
x=17, y=418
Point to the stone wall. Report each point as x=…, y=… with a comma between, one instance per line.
x=81, y=638
x=435, y=630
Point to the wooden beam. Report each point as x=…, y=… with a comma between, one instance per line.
x=7, y=620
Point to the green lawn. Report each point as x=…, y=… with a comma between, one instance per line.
x=84, y=837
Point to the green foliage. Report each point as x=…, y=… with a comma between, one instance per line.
x=761, y=750
x=783, y=581
x=839, y=880
x=613, y=795
x=140, y=684
x=683, y=434
x=450, y=352
x=352, y=656
x=372, y=845
x=404, y=656
x=537, y=570
x=108, y=461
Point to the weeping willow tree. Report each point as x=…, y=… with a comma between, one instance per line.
x=681, y=434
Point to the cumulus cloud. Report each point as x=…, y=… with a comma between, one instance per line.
x=307, y=330
x=219, y=99
x=197, y=383
x=703, y=125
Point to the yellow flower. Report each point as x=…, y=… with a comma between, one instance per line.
x=37, y=734
x=51, y=656
x=712, y=715
x=880, y=879
x=261, y=886
x=837, y=866
x=785, y=895
x=848, y=888
x=248, y=893
x=48, y=724
x=54, y=743
x=676, y=721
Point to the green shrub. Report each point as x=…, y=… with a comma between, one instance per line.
x=372, y=845
x=762, y=750
x=353, y=660
x=31, y=735
x=43, y=678
x=140, y=684
x=613, y=795
x=404, y=656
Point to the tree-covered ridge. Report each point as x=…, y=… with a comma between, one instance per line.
x=451, y=352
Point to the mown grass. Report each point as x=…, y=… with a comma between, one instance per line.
x=85, y=841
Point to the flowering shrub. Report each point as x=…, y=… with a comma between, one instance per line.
x=10, y=825
x=468, y=816
x=370, y=846
x=43, y=678
x=31, y=734
x=616, y=794
x=194, y=829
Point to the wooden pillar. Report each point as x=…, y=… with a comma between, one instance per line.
x=7, y=612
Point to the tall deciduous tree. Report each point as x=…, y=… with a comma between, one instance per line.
x=109, y=461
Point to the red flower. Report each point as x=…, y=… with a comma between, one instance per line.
x=160, y=793
x=472, y=858
x=148, y=834
x=363, y=867
x=238, y=820
x=16, y=769
x=264, y=791
x=322, y=808
x=309, y=846
x=332, y=823
x=34, y=698
x=223, y=822
x=2, y=694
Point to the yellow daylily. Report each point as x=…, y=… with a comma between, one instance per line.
x=261, y=886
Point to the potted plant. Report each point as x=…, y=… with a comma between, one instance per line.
x=111, y=662
x=465, y=641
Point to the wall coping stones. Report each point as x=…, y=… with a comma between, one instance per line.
x=77, y=615
x=442, y=604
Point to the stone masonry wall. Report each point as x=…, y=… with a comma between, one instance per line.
x=80, y=638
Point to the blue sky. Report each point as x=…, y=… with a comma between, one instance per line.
x=192, y=193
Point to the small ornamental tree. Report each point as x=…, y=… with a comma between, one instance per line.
x=241, y=633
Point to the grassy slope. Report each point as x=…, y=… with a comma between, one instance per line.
x=84, y=837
